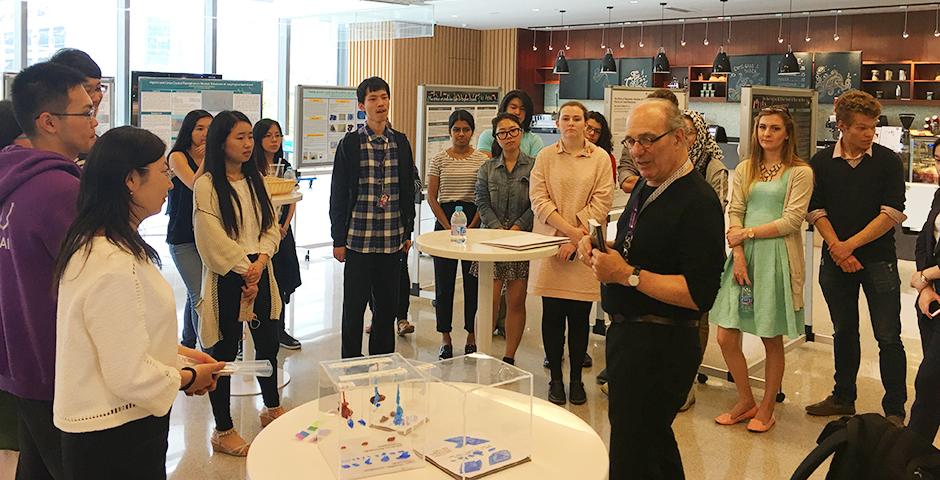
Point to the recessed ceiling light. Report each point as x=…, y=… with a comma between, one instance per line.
x=453, y=16
x=535, y=9
x=463, y=24
x=634, y=1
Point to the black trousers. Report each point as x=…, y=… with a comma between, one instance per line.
x=925, y=413
x=134, y=450
x=883, y=291
x=365, y=276
x=555, y=313
x=265, y=333
x=40, y=442
x=445, y=279
x=651, y=368
x=404, y=291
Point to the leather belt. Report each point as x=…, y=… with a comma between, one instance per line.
x=654, y=319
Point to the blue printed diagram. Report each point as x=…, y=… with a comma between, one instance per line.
x=470, y=456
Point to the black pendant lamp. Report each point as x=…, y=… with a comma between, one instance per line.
x=561, y=63
x=661, y=62
x=722, y=64
x=608, y=65
x=789, y=65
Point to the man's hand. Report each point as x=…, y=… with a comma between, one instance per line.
x=917, y=281
x=840, y=251
x=851, y=265
x=926, y=297
x=610, y=267
x=405, y=248
x=585, y=250
x=339, y=253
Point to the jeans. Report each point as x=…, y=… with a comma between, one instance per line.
x=40, y=442
x=925, y=413
x=650, y=368
x=135, y=450
x=883, y=291
x=189, y=264
x=365, y=276
x=556, y=314
x=445, y=279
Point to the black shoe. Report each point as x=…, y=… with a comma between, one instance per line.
x=509, y=360
x=447, y=351
x=556, y=392
x=602, y=377
x=289, y=342
x=600, y=328
x=469, y=348
x=588, y=361
x=577, y=393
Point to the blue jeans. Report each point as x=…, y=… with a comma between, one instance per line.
x=882, y=284
x=189, y=264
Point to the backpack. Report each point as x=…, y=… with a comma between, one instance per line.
x=869, y=447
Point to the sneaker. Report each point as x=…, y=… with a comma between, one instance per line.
x=469, y=348
x=830, y=407
x=588, y=361
x=556, y=393
x=577, y=394
x=289, y=342
x=689, y=400
x=405, y=327
x=602, y=377
x=447, y=351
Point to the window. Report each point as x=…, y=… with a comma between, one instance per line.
x=168, y=36
x=248, y=47
x=55, y=24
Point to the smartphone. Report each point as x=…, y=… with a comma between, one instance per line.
x=934, y=309
x=597, y=235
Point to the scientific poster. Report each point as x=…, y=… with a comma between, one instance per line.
x=324, y=116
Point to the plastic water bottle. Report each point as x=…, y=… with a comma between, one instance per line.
x=746, y=299
x=458, y=226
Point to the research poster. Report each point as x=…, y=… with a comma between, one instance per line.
x=323, y=116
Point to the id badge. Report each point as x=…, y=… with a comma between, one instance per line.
x=383, y=200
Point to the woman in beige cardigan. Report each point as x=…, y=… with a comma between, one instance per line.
x=762, y=285
x=570, y=185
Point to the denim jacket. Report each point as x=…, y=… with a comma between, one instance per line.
x=502, y=197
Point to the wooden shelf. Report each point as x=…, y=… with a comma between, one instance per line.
x=708, y=81
x=544, y=68
x=708, y=99
x=549, y=82
x=926, y=81
x=885, y=81
x=917, y=103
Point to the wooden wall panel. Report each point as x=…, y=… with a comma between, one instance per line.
x=498, y=58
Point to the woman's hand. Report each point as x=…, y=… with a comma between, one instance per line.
x=284, y=231
x=205, y=378
x=249, y=292
x=740, y=269
x=736, y=236
x=253, y=275
x=565, y=251
x=195, y=355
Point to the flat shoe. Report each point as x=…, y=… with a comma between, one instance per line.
x=727, y=419
x=758, y=426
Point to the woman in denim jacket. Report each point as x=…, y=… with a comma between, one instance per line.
x=502, y=198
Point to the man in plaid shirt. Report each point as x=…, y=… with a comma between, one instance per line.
x=372, y=213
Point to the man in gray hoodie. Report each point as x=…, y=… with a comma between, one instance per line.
x=38, y=193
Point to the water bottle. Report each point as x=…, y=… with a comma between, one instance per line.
x=458, y=226
x=746, y=299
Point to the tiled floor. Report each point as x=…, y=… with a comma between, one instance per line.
x=709, y=451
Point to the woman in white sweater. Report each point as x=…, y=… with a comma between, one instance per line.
x=236, y=235
x=117, y=369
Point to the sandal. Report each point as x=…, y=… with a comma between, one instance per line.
x=405, y=327
x=758, y=426
x=268, y=415
x=727, y=419
x=218, y=438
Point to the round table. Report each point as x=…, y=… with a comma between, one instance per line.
x=564, y=447
x=438, y=244
x=246, y=385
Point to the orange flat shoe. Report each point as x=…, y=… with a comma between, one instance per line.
x=758, y=426
x=727, y=419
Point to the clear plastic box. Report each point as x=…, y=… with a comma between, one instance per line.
x=373, y=411
x=482, y=411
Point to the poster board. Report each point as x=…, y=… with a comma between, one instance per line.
x=835, y=73
x=803, y=80
x=105, y=108
x=802, y=103
x=746, y=70
x=165, y=101
x=435, y=104
x=322, y=116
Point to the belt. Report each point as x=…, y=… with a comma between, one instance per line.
x=654, y=319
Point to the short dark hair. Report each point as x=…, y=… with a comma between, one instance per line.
x=371, y=84
x=526, y=103
x=77, y=59
x=665, y=94
x=9, y=128
x=42, y=87
x=458, y=115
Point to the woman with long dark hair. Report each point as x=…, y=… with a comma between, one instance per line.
x=186, y=160
x=269, y=156
x=517, y=103
x=116, y=351
x=597, y=131
x=237, y=234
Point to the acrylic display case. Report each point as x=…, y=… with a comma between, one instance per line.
x=482, y=411
x=373, y=413
x=922, y=168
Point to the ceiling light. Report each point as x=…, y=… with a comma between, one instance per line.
x=622, y=26
x=780, y=32
x=905, y=34
x=608, y=65
x=722, y=64
x=789, y=65
x=661, y=62
x=682, y=42
x=561, y=63
x=534, y=32
x=835, y=30
x=641, y=35
x=808, y=15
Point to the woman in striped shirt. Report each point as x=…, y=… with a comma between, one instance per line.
x=451, y=180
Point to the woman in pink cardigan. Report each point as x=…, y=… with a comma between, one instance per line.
x=570, y=185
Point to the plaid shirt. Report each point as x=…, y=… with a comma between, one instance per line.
x=374, y=228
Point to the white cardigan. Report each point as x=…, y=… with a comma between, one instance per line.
x=116, y=346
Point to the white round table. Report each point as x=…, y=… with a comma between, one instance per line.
x=438, y=244
x=564, y=447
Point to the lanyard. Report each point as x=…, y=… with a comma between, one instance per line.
x=635, y=207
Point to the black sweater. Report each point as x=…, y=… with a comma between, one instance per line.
x=344, y=189
x=852, y=197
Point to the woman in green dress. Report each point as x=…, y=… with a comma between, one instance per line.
x=762, y=285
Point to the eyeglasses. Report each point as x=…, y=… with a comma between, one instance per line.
x=275, y=136
x=167, y=171
x=645, y=141
x=91, y=113
x=591, y=130
x=511, y=133
x=100, y=88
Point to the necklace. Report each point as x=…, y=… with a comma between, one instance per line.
x=767, y=174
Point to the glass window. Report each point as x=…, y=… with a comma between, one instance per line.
x=168, y=36
x=250, y=53
x=55, y=24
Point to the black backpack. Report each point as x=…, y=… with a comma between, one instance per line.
x=869, y=447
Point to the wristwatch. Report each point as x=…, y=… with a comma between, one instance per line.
x=634, y=279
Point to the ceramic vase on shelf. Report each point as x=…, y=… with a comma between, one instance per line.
x=875, y=74
x=902, y=75
x=889, y=75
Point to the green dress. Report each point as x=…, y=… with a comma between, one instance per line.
x=768, y=267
